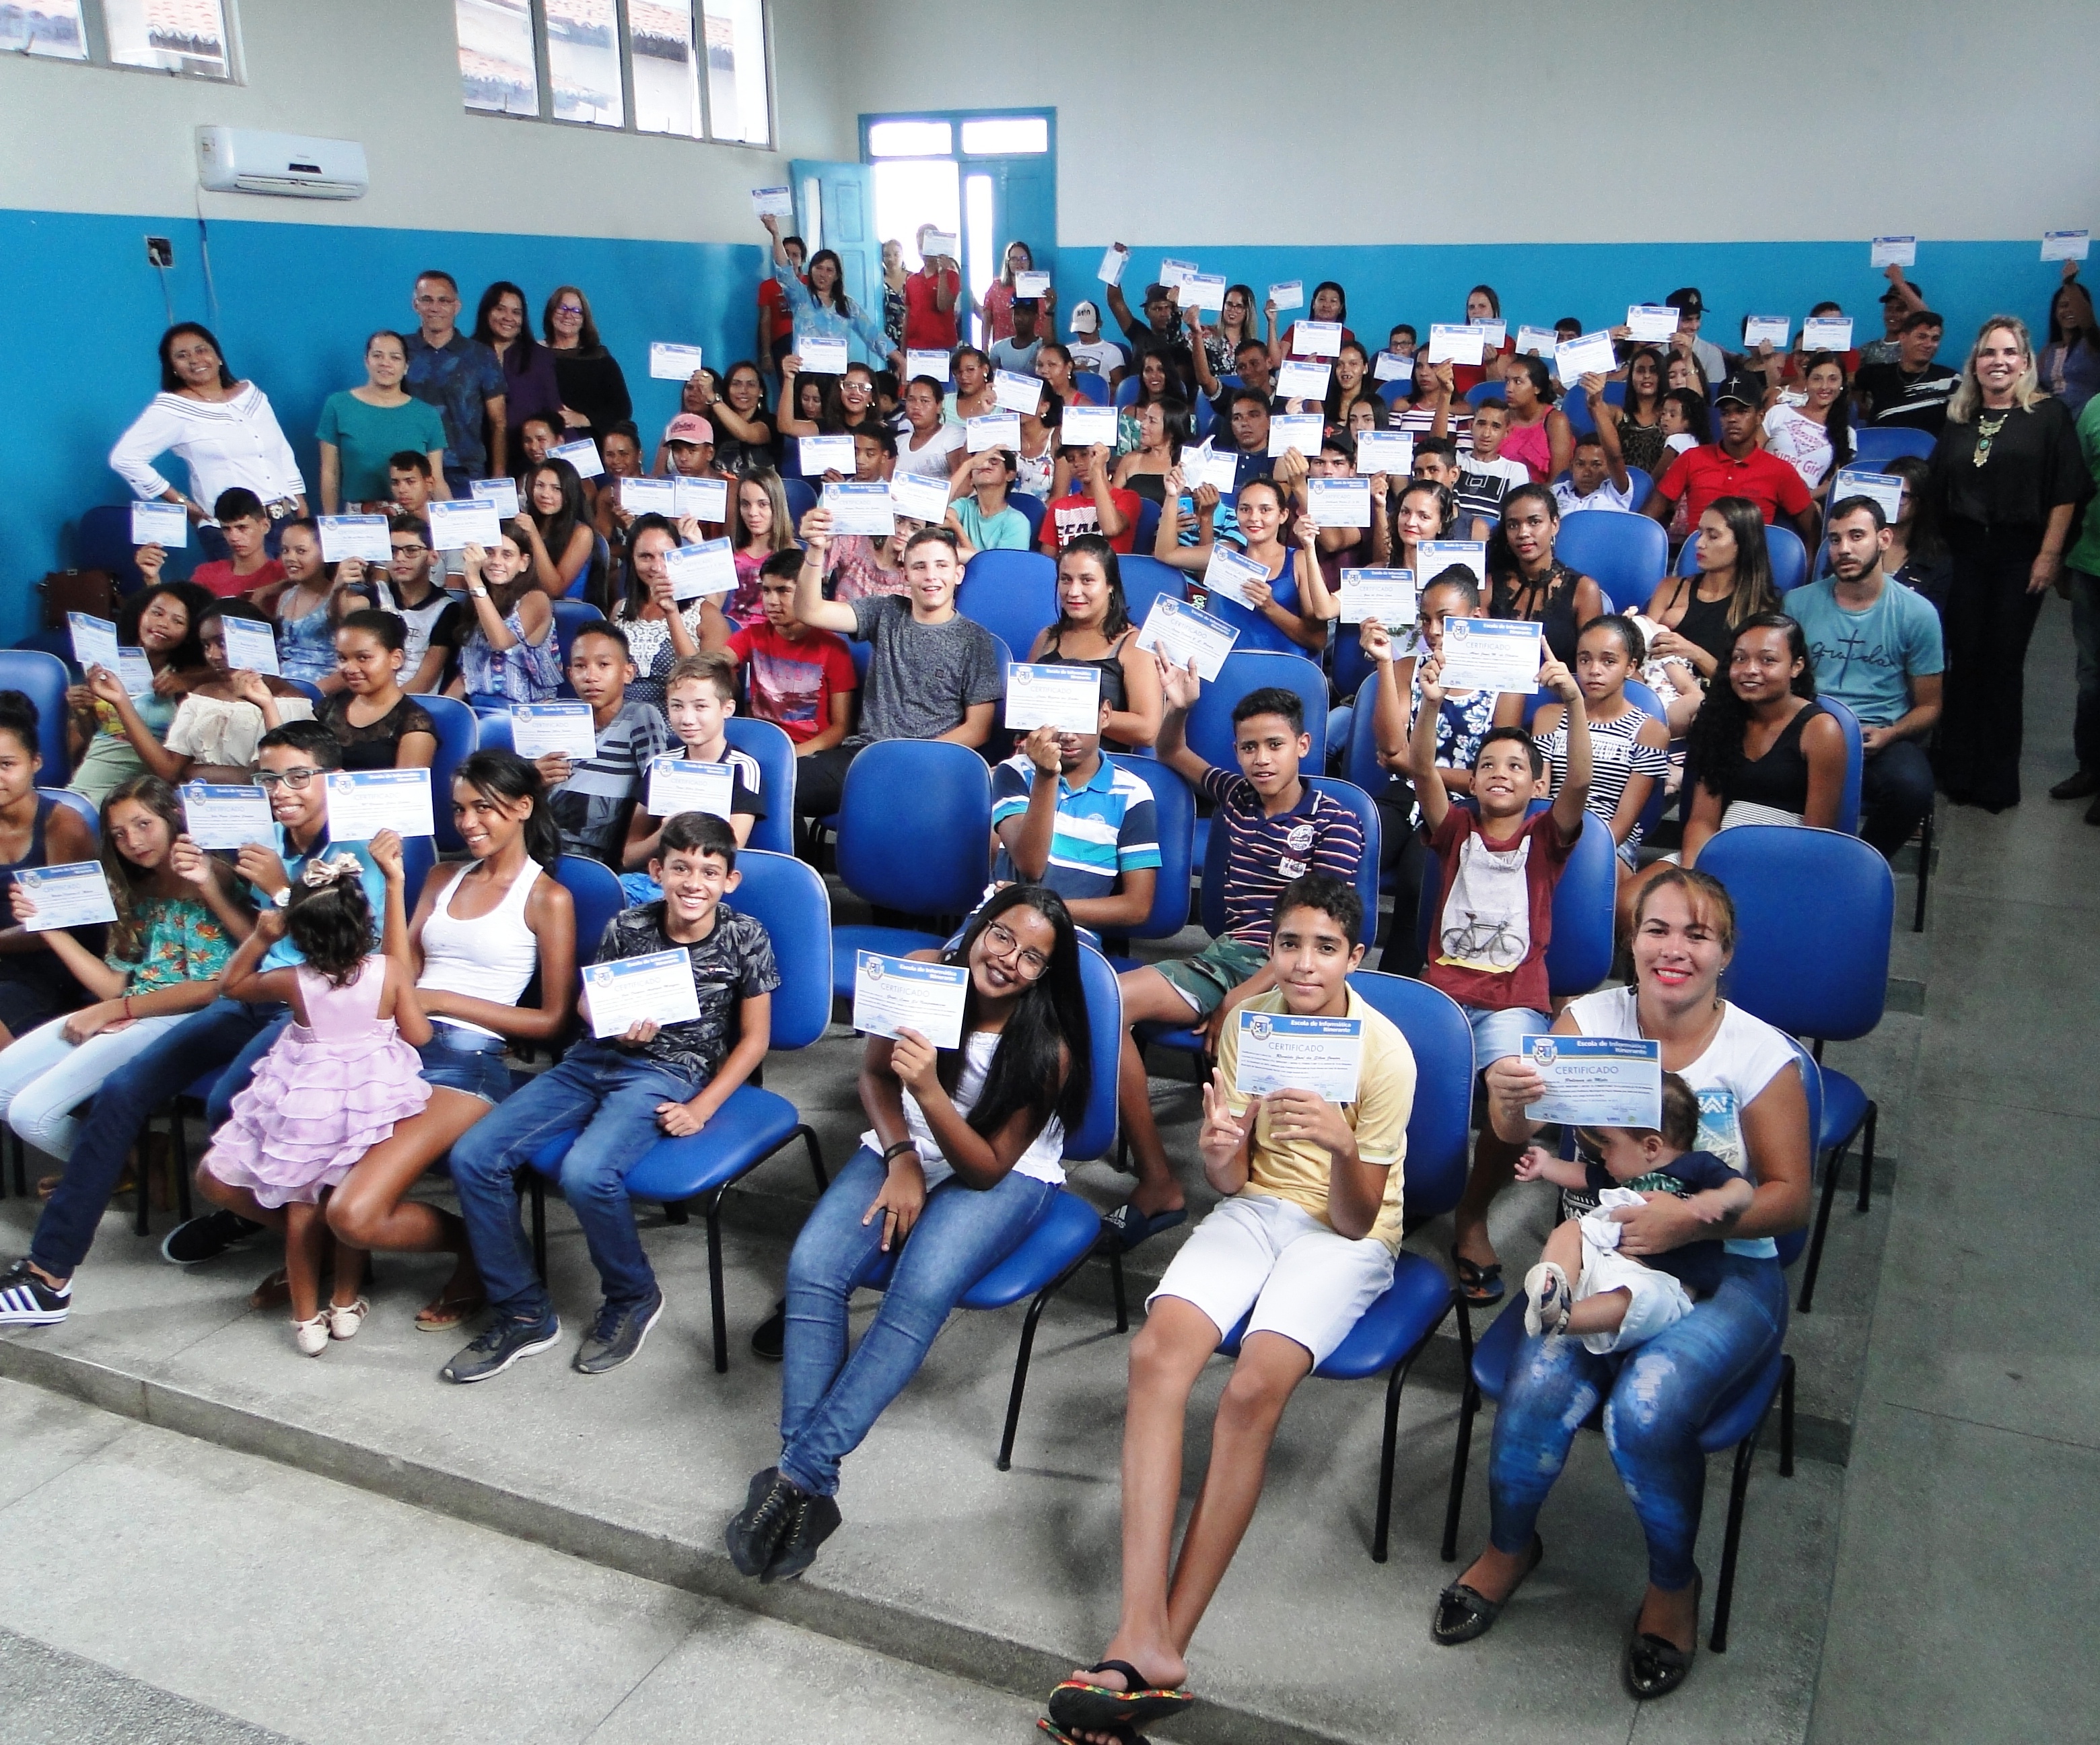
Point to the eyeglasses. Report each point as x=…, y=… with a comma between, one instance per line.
x=1003, y=943
x=294, y=779
x=568, y=308
x=409, y=548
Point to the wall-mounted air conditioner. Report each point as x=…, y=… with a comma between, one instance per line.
x=243, y=160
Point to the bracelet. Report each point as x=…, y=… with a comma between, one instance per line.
x=898, y=1149
x=127, y=1005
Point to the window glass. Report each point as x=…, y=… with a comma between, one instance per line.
x=667, y=77
x=170, y=36
x=43, y=27
x=1005, y=135
x=496, y=56
x=583, y=61
x=910, y=139
x=737, y=105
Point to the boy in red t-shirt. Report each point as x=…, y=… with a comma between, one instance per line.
x=1494, y=914
x=1091, y=506
x=245, y=524
x=801, y=679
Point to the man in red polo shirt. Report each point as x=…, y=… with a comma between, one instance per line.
x=930, y=300
x=1735, y=467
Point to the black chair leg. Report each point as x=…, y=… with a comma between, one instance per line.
x=1005, y=1462
x=715, y=1283
x=7, y=1143
x=816, y=1157
x=1738, y=1493
x=1924, y=872
x=178, y=1149
x=1469, y=1402
x=537, y=1190
x=1786, y=1419
x=141, y=1174
x=1831, y=1172
x=1867, y=1156
x=1115, y=1278
x=1394, y=1384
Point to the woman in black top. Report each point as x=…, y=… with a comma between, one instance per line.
x=744, y=439
x=593, y=391
x=1700, y=615
x=1641, y=433
x=1530, y=585
x=379, y=725
x=2006, y=475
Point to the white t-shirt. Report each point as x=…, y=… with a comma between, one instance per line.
x=1044, y=1157
x=932, y=460
x=1606, y=495
x=1097, y=357
x=1745, y=1055
x=1800, y=442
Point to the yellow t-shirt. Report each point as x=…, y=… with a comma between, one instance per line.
x=1298, y=1171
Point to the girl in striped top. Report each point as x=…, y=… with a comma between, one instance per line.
x=1629, y=747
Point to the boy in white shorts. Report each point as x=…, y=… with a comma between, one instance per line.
x=1303, y=1246
x=1617, y=1302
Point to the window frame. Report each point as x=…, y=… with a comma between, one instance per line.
x=95, y=39
x=543, y=79
x=1045, y=113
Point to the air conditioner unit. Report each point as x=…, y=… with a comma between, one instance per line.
x=243, y=160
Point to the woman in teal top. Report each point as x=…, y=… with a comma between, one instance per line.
x=361, y=427
x=821, y=308
x=108, y=724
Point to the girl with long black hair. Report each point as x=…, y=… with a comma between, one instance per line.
x=1094, y=629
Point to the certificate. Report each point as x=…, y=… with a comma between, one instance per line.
x=154, y=522
x=1592, y=354
x=1203, y=291
x=1884, y=488
x=227, y=815
x=1280, y=1051
x=1490, y=654
x=920, y=498
x=1385, y=595
x=773, y=202
x=355, y=536
x=460, y=522
x=675, y=786
x=1289, y=294
x=670, y=363
x=1017, y=393
x=503, y=492
x=1085, y=426
x=819, y=455
x=582, y=454
x=1228, y=573
x=1597, y=1081
x=933, y=364
x=554, y=730
x=250, y=647
x=893, y=994
x=1388, y=452
x=1892, y=251
x=1771, y=330
x=1433, y=557
x=1068, y=698
x=1301, y=430
x=1455, y=344
x=363, y=803
x=1649, y=322
x=73, y=896
x=1827, y=332
x=1297, y=381
x=2066, y=245
x=1316, y=338
x=703, y=499
x=650, y=496
x=657, y=989
x=942, y=243
x=1206, y=466
x=1183, y=633
x=1175, y=274
x=1492, y=333
x=93, y=642
x=1114, y=260
x=858, y=508
x=1030, y=285
x=708, y=567
x=994, y=430
x=1537, y=341
x=1390, y=366
x=1338, y=502
x=822, y=357
x=134, y=672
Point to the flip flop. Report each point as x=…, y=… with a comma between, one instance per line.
x=1130, y=1226
x=1079, y=1707
x=1122, y=1735
x=446, y=1313
x=1481, y=1286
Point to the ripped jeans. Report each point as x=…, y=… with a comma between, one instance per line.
x=1660, y=1395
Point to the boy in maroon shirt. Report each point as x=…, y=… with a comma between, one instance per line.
x=245, y=524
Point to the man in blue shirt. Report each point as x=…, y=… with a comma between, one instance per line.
x=1067, y=817
x=1876, y=649
x=462, y=378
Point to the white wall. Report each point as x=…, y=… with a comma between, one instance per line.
x=79, y=139
x=1535, y=121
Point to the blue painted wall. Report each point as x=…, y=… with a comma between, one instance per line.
x=294, y=303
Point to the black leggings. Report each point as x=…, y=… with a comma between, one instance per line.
x=1990, y=616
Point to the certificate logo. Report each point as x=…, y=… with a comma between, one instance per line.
x=1459, y=629
x=1023, y=676
x=1259, y=1028
x=600, y=975
x=1168, y=607
x=342, y=783
x=1544, y=1052
x=871, y=968
x=31, y=880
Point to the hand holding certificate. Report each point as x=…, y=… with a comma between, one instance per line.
x=154, y=522
x=656, y=990
x=1180, y=634
x=1455, y=344
x=1490, y=654
x=1597, y=1081
x=675, y=786
x=892, y=995
x=227, y=815
x=460, y=522
x=553, y=729
x=251, y=647
x=670, y=363
x=1279, y=1051
x=74, y=895
x=1065, y=698
x=363, y=803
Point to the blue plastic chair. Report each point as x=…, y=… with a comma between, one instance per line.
x=1071, y=1229
x=1031, y=508
x=1128, y=389
x=1392, y=393
x=1146, y=534
x=1205, y=416
x=43, y=678
x=1094, y=386
x=801, y=498
x=1209, y=727
x=1361, y=763
x=1881, y=443
x=79, y=803
x=1736, y=1422
x=459, y=735
x=774, y=833
x=569, y=617
x=1813, y=912
x=1145, y=579
x=596, y=894
x=1173, y=812
x=1579, y=955
x=753, y=1123
x=1855, y=764
x=492, y=732
x=931, y=858
x=1627, y=555
x=1789, y=557
x=1481, y=390
x=1013, y=595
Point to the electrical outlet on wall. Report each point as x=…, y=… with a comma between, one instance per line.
x=160, y=252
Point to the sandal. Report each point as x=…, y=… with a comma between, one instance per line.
x=1464, y=1614
x=1547, y=1301
x=1079, y=1707
x=445, y=1313
x=1121, y=1735
x=311, y=1337
x=1654, y=1665
x=1478, y=1287
x=1130, y=1226
x=273, y=1292
x=345, y=1318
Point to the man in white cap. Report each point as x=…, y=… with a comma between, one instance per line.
x=1090, y=351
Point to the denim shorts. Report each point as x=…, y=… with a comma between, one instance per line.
x=1501, y=1032
x=465, y=1060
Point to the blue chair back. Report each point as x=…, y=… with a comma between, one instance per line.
x=1392, y=393
x=1481, y=390
x=1146, y=579
x=1361, y=765
x=1347, y=794
x=571, y=616
x=789, y=897
x=1013, y=595
x=493, y=733
x=1575, y=403
x=458, y=736
x=43, y=678
x=774, y=833
x=1579, y=955
x=104, y=542
x=419, y=854
x=1205, y=416
x=931, y=857
x=1096, y=1134
x=1095, y=387
x=1438, y=1127
x=1789, y=557
x=1794, y=1241
x=1627, y=555
x=595, y=891
x=1813, y=912
x=1347, y=663
x=1127, y=390
x=595, y=577
x=1147, y=534
x=1855, y=764
x=1210, y=723
x=1031, y=508
x=311, y=691
x=1877, y=443
x=1174, y=811
x=1658, y=796
x=76, y=803
x=801, y=498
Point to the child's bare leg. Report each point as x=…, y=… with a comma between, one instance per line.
x=1605, y=1313
x=1564, y=1248
x=237, y=1200
x=349, y=1262
x=306, y=1235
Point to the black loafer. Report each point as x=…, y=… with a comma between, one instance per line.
x=1464, y=1614
x=1654, y=1665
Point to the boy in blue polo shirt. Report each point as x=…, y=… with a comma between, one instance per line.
x=1068, y=817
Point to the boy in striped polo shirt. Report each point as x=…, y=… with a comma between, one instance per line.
x=1277, y=829
x=1068, y=817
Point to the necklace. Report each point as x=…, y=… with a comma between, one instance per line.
x=1987, y=431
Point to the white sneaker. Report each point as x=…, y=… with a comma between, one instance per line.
x=312, y=1336
x=1546, y=1299
x=345, y=1318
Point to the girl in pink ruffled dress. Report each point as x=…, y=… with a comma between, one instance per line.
x=337, y=1079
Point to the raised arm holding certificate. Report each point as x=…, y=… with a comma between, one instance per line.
x=355, y=536
x=895, y=994
x=93, y=642
x=1182, y=634
x=363, y=803
x=819, y=455
x=1338, y=502
x=657, y=989
x=1388, y=452
x=582, y=454
x=251, y=647
x=553, y=729
x=1490, y=654
x=708, y=567
x=1597, y=1081
x=1455, y=344
x=820, y=357
x=503, y=492
x=457, y=523
x=675, y=786
x=670, y=363
x=73, y=896
x=858, y=508
x=1278, y=1052
x=223, y=816
x=1067, y=698
x=154, y=522
x=1385, y=595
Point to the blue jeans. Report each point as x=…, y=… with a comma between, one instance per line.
x=612, y=1097
x=828, y=1401
x=1660, y=1396
x=223, y=1029
x=1895, y=792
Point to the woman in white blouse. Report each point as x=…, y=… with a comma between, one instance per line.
x=1814, y=437
x=224, y=430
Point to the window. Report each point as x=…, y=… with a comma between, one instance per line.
x=1007, y=135
x=633, y=65
x=184, y=36
x=910, y=139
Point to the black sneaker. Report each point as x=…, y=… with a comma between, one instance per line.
x=26, y=1301
x=617, y=1335
x=768, y=1510
x=500, y=1344
x=206, y=1238
x=814, y=1521
x=768, y=1339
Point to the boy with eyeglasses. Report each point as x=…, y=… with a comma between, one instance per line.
x=412, y=594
